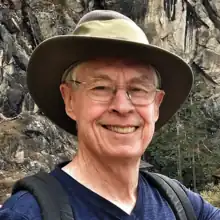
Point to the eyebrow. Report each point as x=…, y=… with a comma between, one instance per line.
x=100, y=76
x=140, y=79
x=134, y=79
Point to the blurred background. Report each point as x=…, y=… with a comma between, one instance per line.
x=187, y=148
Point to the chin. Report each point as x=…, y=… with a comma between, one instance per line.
x=126, y=152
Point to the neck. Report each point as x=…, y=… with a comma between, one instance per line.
x=114, y=180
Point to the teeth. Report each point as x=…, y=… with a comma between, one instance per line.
x=123, y=130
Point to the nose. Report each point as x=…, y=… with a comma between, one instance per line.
x=121, y=103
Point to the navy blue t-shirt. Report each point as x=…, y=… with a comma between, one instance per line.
x=86, y=204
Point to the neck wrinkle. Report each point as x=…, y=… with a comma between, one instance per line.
x=113, y=180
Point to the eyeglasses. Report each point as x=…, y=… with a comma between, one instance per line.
x=105, y=91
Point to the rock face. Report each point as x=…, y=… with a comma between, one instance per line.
x=29, y=142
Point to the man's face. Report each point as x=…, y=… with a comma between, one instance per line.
x=116, y=128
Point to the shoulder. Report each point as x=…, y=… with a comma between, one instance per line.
x=202, y=208
x=20, y=206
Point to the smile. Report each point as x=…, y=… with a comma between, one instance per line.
x=121, y=130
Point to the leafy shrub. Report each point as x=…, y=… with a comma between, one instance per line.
x=212, y=194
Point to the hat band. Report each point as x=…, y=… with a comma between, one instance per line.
x=119, y=29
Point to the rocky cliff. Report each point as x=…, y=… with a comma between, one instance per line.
x=29, y=142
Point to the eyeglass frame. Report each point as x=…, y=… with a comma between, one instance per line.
x=115, y=91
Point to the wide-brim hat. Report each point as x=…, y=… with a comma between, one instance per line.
x=102, y=33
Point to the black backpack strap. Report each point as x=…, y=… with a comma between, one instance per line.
x=174, y=194
x=51, y=197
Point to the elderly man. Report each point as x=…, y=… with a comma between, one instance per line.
x=108, y=86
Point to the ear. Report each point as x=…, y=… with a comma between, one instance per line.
x=69, y=99
x=158, y=100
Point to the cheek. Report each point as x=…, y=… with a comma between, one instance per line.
x=88, y=111
x=148, y=115
x=149, y=124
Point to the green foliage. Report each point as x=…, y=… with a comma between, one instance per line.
x=212, y=194
x=187, y=148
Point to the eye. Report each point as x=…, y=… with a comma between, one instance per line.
x=101, y=88
x=138, y=89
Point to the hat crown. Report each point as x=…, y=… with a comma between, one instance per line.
x=110, y=25
x=102, y=15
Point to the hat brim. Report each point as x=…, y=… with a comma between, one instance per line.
x=53, y=56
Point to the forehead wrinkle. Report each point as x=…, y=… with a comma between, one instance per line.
x=133, y=79
x=92, y=67
x=136, y=79
x=140, y=79
x=151, y=74
x=92, y=71
x=142, y=74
